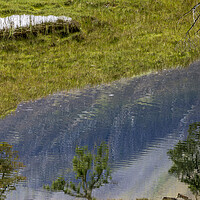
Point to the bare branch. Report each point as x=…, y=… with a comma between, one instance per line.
x=191, y=10
x=197, y=31
x=193, y=25
x=195, y=19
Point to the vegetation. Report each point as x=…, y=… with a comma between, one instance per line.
x=91, y=170
x=9, y=169
x=118, y=38
x=196, y=15
x=186, y=159
x=59, y=27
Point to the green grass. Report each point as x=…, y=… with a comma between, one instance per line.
x=118, y=38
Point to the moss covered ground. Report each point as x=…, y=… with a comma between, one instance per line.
x=118, y=38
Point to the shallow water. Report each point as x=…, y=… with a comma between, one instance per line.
x=17, y=21
x=140, y=119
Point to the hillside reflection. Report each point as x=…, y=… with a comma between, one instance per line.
x=133, y=116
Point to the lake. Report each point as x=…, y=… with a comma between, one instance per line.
x=140, y=118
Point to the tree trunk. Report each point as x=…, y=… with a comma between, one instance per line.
x=89, y=195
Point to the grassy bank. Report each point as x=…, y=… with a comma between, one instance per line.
x=118, y=38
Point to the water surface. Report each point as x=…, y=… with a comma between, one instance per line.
x=140, y=119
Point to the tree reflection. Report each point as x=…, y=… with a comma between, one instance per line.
x=9, y=169
x=92, y=172
x=186, y=159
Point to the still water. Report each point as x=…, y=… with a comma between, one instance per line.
x=140, y=118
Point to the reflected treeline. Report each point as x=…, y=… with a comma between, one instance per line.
x=9, y=169
x=186, y=159
x=130, y=116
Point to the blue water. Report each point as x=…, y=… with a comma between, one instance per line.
x=140, y=119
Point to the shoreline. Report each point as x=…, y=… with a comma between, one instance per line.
x=117, y=40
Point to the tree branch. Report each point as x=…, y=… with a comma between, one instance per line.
x=187, y=33
x=195, y=19
x=75, y=195
x=191, y=10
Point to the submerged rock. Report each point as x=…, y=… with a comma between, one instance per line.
x=23, y=25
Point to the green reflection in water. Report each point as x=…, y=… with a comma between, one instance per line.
x=91, y=170
x=186, y=159
x=9, y=169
